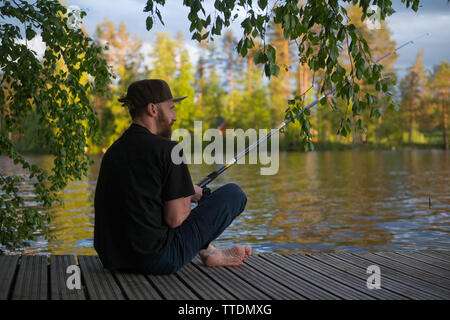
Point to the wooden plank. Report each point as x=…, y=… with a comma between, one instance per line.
x=437, y=254
x=357, y=281
x=393, y=269
x=99, y=282
x=410, y=270
x=171, y=287
x=387, y=282
x=354, y=290
x=262, y=282
x=317, y=279
x=59, y=276
x=240, y=288
x=290, y=279
x=443, y=252
x=203, y=285
x=32, y=277
x=8, y=267
x=419, y=265
x=427, y=259
x=136, y=286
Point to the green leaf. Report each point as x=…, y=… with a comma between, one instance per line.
x=247, y=26
x=30, y=33
x=260, y=57
x=243, y=50
x=341, y=34
x=271, y=54
x=262, y=4
x=159, y=16
x=149, y=23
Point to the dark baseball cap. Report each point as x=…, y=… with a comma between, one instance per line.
x=143, y=92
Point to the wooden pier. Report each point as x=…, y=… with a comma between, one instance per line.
x=404, y=275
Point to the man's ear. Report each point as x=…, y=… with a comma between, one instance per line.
x=152, y=109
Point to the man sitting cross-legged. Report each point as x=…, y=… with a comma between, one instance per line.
x=143, y=217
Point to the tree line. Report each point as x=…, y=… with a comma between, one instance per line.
x=226, y=89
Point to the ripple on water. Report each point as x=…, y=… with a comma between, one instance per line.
x=318, y=202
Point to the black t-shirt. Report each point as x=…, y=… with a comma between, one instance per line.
x=136, y=177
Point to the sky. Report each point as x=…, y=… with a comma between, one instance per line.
x=432, y=18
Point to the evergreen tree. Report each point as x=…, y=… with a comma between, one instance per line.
x=439, y=94
x=164, y=58
x=412, y=89
x=253, y=98
x=280, y=86
x=187, y=109
x=215, y=98
x=232, y=62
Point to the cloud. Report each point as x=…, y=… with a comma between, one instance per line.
x=426, y=7
x=132, y=14
x=128, y=11
x=36, y=44
x=433, y=17
x=430, y=32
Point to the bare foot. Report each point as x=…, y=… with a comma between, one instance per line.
x=248, y=251
x=213, y=257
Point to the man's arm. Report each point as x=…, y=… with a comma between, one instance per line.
x=177, y=210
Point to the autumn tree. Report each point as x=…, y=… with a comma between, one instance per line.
x=126, y=63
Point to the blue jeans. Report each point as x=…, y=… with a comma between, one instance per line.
x=205, y=223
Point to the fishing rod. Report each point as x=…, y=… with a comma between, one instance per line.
x=213, y=175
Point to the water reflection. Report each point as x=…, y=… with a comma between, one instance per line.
x=318, y=202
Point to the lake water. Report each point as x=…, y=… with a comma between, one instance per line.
x=318, y=202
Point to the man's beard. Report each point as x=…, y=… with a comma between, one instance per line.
x=164, y=126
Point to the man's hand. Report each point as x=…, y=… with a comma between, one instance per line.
x=198, y=194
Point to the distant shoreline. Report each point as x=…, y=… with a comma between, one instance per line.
x=334, y=146
x=325, y=146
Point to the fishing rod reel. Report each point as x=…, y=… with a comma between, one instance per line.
x=206, y=192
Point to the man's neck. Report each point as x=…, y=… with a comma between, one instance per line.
x=146, y=123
